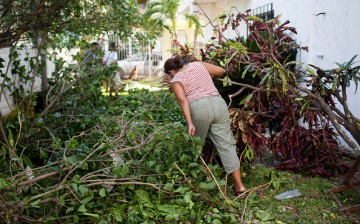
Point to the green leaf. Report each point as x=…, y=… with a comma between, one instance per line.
x=233, y=219
x=75, y=219
x=216, y=221
x=182, y=189
x=35, y=204
x=347, y=79
x=264, y=216
x=249, y=153
x=303, y=107
x=83, y=190
x=4, y=184
x=334, y=83
x=124, y=170
x=193, y=165
x=121, y=171
x=248, y=98
x=220, y=17
x=356, y=80
x=74, y=159
x=245, y=71
x=194, y=173
x=74, y=187
x=254, y=18
x=171, y=209
x=207, y=186
x=237, y=46
x=96, y=216
x=82, y=208
x=61, y=201
x=43, y=154
x=102, y=192
x=84, y=166
x=184, y=158
x=349, y=63
x=68, y=210
x=276, y=184
x=215, y=210
x=187, y=199
x=169, y=217
x=310, y=71
x=143, y=198
x=253, y=199
x=117, y=212
x=169, y=187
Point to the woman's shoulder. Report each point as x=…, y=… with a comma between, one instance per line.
x=198, y=65
x=195, y=62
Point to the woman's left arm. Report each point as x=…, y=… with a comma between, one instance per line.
x=184, y=105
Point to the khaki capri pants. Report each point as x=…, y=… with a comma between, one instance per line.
x=210, y=116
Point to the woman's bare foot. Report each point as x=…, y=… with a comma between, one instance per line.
x=238, y=185
x=240, y=189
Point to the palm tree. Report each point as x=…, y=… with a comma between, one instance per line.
x=157, y=11
x=194, y=20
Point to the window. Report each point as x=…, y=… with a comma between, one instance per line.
x=265, y=12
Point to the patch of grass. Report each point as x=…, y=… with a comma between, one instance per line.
x=315, y=205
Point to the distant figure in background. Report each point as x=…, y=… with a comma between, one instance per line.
x=133, y=74
x=91, y=56
x=112, y=72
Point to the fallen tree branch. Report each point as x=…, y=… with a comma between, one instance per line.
x=101, y=182
x=235, y=94
x=36, y=179
x=217, y=184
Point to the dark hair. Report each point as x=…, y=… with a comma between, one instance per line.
x=94, y=44
x=112, y=44
x=174, y=63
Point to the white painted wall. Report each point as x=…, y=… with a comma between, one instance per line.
x=334, y=36
x=328, y=27
x=6, y=101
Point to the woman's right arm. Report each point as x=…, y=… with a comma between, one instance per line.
x=214, y=70
x=184, y=105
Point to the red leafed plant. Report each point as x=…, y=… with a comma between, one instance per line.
x=271, y=113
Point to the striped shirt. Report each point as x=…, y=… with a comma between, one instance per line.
x=196, y=82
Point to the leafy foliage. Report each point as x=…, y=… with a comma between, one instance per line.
x=28, y=19
x=125, y=161
x=117, y=154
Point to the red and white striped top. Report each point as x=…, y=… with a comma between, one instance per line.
x=196, y=82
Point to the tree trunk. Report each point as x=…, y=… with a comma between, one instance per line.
x=44, y=80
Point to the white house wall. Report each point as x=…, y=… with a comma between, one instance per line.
x=333, y=37
x=6, y=101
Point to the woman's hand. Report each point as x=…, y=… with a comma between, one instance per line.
x=191, y=130
x=165, y=80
